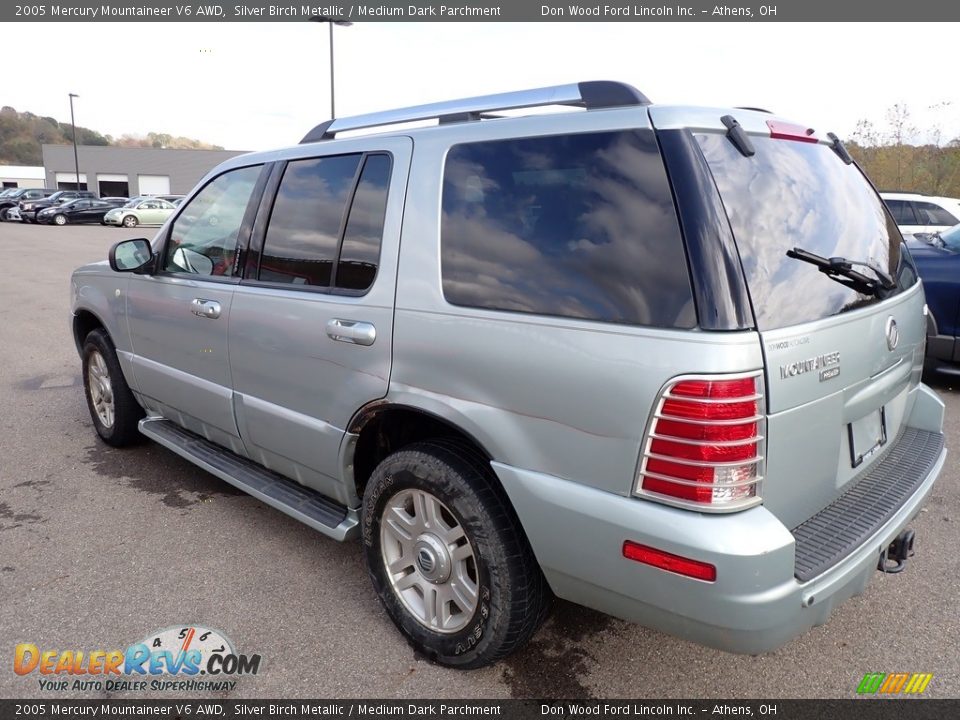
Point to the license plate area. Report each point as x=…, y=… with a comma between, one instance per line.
x=867, y=435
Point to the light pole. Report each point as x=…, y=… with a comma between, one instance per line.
x=331, y=22
x=73, y=124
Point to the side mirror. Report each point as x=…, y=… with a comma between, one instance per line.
x=134, y=256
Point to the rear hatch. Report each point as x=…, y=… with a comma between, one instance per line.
x=841, y=353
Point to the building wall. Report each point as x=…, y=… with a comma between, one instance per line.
x=183, y=167
x=24, y=176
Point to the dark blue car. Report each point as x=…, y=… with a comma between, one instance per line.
x=937, y=256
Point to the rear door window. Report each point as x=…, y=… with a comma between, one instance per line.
x=931, y=214
x=579, y=226
x=801, y=195
x=326, y=225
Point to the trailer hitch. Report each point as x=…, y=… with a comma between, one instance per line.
x=894, y=558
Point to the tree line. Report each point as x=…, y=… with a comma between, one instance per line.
x=893, y=160
x=23, y=133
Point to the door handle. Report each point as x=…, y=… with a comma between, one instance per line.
x=350, y=331
x=205, y=308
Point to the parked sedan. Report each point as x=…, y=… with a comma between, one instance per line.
x=937, y=257
x=29, y=209
x=77, y=211
x=140, y=211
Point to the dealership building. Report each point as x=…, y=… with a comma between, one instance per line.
x=18, y=176
x=126, y=172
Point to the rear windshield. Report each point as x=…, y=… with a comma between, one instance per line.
x=801, y=195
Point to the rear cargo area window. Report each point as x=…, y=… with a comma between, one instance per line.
x=580, y=226
x=801, y=195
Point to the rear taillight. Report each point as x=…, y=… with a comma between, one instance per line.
x=704, y=446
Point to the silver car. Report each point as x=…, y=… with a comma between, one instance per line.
x=661, y=361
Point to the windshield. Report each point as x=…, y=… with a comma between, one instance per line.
x=802, y=195
x=951, y=238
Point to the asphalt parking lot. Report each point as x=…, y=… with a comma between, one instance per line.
x=100, y=547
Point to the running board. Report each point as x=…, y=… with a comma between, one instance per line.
x=288, y=497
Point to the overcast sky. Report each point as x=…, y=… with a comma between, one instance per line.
x=255, y=86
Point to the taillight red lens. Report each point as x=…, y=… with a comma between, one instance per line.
x=668, y=561
x=709, y=411
x=714, y=433
x=697, y=451
x=690, y=473
x=715, y=389
x=700, y=493
x=704, y=453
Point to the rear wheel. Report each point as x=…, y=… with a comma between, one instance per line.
x=129, y=221
x=59, y=220
x=113, y=408
x=448, y=558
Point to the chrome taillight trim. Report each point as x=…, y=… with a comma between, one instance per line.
x=758, y=461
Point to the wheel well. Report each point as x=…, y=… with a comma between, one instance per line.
x=386, y=430
x=84, y=322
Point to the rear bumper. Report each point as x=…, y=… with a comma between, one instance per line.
x=755, y=605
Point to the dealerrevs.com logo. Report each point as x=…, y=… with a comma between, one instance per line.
x=190, y=658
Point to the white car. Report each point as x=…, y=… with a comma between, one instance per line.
x=13, y=214
x=917, y=213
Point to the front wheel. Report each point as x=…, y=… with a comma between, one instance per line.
x=448, y=558
x=113, y=408
x=129, y=221
x=59, y=220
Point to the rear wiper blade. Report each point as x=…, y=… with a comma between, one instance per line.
x=841, y=270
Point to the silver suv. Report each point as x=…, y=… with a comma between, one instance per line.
x=660, y=361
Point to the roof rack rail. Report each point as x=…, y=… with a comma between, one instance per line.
x=591, y=95
x=755, y=109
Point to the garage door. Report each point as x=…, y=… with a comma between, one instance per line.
x=113, y=185
x=68, y=181
x=154, y=184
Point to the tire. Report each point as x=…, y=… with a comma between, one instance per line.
x=59, y=220
x=460, y=543
x=113, y=409
x=129, y=221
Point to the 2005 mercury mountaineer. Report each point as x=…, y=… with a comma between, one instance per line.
x=661, y=361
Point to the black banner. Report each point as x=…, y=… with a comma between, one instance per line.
x=867, y=709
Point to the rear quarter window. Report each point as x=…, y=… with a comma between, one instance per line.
x=579, y=226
